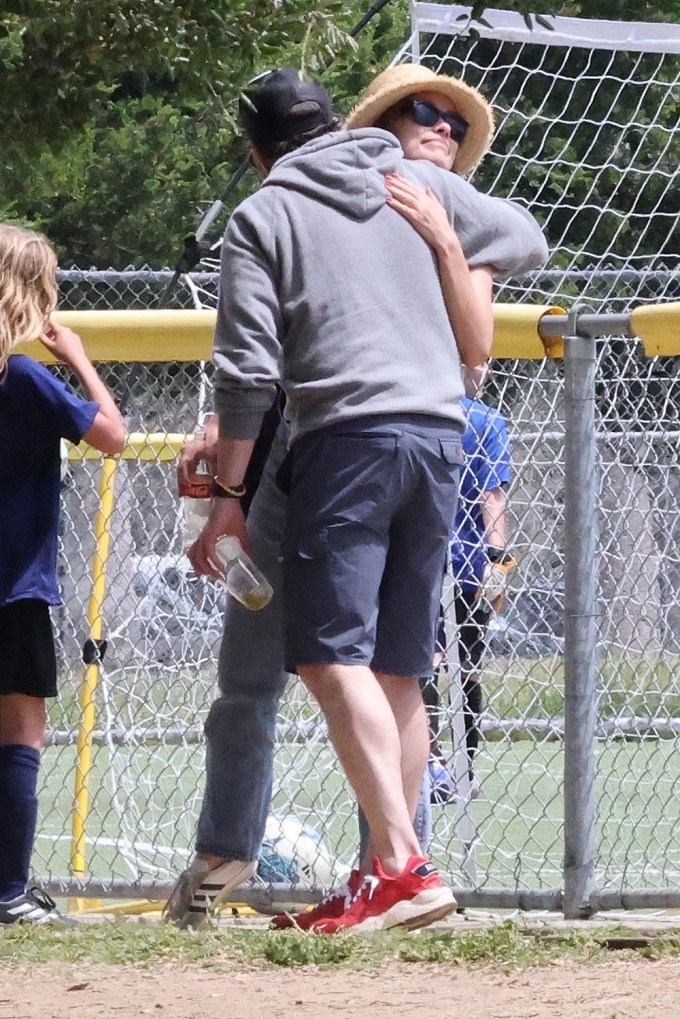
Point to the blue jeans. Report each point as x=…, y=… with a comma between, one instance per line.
x=240, y=728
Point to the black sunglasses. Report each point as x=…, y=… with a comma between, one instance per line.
x=427, y=114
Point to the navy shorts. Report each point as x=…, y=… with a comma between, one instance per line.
x=370, y=509
x=28, y=663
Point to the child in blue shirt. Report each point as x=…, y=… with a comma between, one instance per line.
x=480, y=566
x=36, y=412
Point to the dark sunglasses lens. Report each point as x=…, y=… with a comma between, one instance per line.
x=427, y=115
x=424, y=113
x=458, y=126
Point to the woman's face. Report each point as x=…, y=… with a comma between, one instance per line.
x=432, y=143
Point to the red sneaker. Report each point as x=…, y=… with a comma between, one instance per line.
x=414, y=898
x=330, y=908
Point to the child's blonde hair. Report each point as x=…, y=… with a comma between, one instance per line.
x=28, y=287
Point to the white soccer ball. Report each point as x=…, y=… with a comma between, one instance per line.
x=294, y=853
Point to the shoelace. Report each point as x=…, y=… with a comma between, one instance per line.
x=369, y=882
x=42, y=898
x=342, y=891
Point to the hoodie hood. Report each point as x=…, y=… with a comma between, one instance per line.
x=344, y=169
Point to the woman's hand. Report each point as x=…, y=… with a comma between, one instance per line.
x=421, y=208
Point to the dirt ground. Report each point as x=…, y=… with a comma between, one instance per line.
x=618, y=990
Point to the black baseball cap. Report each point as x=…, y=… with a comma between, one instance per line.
x=278, y=105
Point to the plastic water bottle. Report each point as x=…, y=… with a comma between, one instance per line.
x=240, y=575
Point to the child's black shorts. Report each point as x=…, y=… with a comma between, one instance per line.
x=28, y=664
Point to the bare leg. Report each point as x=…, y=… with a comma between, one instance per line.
x=22, y=720
x=407, y=706
x=405, y=699
x=364, y=729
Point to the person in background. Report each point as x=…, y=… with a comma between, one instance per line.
x=37, y=411
x=481, y=565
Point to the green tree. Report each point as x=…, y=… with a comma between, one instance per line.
x=119, y=117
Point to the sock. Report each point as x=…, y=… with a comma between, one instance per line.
x=18, y=815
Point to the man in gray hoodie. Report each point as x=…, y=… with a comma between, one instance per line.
x=325, y=291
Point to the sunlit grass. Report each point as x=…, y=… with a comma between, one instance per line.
x=508, y=945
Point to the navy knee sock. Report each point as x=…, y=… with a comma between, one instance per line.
x=18, y=816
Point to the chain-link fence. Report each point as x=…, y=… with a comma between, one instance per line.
x=121, y=818
x=579, y=673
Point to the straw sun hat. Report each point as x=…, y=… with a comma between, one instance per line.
x=397, y=83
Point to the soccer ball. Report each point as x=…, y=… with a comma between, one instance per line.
x=294, y=853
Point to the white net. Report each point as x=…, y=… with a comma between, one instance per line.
x=586, y=135
x=587, y=131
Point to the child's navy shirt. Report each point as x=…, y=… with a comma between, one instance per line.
x=36, y=411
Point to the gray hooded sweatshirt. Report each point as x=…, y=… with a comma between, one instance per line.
x=328, y=291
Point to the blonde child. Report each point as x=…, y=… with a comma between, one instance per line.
x=36, y=412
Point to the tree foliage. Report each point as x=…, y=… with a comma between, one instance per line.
x=119, y=116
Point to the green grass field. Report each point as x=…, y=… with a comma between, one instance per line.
x=143, y=824
x=145, y=797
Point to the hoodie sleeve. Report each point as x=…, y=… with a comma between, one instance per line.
x=502, y=235
x=492, y=231
x=246, y=347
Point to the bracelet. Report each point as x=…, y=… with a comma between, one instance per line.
x=221, y=491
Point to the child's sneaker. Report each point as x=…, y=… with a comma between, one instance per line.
x=33, y=906
x=200, y=889
x=330, y=908
x=414, y=898
x=442, y=785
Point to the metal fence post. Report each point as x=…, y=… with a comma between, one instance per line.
x=580, y=580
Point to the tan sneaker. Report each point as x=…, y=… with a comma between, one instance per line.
x=200, y=890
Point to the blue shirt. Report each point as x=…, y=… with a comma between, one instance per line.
x=36, y=411
x=487, y=450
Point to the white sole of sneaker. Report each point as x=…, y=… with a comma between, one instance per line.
x=425, y=908
x=215, y=889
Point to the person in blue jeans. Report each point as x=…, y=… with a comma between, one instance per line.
x=36, y=412
x=240, y=728
x=481, y=566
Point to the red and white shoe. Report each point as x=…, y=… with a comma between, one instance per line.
x=414, y=898
x=330, y=908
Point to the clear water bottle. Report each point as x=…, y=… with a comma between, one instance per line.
x=240, y=575
x=195, y=513
x=195, y=495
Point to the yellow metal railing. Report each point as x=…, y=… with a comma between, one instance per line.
x=102, y=534
x=145, y=336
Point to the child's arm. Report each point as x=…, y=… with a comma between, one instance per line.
x=107, y=431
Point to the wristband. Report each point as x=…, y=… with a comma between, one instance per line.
x=221, y=491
